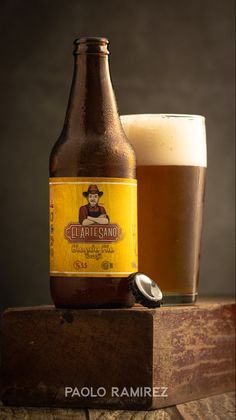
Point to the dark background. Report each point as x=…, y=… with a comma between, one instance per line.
x=173, y=56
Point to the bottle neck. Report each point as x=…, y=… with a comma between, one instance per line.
x=92, y=106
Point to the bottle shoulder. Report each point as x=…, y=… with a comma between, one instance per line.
x=93, y=155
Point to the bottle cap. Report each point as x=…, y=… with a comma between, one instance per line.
x=145, y=290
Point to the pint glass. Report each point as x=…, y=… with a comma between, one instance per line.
x=171, y=167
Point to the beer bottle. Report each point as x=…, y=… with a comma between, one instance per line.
x=93, y=192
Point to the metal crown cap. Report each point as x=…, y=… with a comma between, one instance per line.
x=145, y=290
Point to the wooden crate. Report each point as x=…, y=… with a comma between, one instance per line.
x=172, y=354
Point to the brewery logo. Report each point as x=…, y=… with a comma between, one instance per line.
x=92, y=213
x=94, y=223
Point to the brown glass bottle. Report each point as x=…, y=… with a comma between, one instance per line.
x=92, y=144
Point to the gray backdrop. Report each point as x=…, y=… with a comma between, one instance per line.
x=173, y=56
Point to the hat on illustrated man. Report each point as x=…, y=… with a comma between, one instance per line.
x=92, y=189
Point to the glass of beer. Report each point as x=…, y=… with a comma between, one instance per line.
x=171, y=167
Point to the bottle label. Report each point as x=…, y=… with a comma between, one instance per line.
x=93, y=227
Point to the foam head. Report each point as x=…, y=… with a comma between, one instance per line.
x=167, y=139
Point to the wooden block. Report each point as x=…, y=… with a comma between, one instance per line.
x=187, y=349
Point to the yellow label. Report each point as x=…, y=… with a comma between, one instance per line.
x=93, y=227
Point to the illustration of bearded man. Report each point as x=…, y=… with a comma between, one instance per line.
x=93, y=213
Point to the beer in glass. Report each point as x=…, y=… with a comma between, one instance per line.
x=171, y=167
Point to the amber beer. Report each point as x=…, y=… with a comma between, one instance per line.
x=171, y=166
x=93, y=192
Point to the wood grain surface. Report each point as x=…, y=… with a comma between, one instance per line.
x=187, y=349
x=194, y=350
x=218, y=407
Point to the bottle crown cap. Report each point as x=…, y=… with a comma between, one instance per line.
x=145, y=290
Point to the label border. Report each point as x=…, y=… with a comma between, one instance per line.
x=89, y=182
x=88, y=273
x=60, y=181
